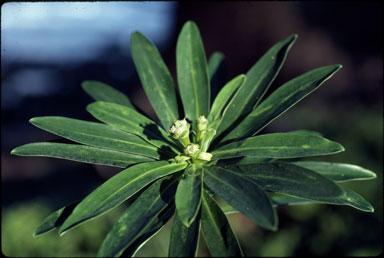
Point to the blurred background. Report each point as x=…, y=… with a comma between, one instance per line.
x=49, y=48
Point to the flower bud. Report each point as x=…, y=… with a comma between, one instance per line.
x=192, y=150
x=181, y=158
x=205, y=156
x=202, y=123
x=180, y=129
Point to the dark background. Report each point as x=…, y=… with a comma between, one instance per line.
x=47, y=54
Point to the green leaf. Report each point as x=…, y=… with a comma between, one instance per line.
x=188, y=195
x=246, y=160
x=130, y=121
x=139, y=217
x=218, y=234
x=259, y=78
x=306, y=132
x=217, y=69
x=243, y=194
x=289, y=179
x=55, y=219
x=192, y=72
x=101, y=91
x=96, y=134
x=118, y=189
x=339, y=172
x=224, y=96
x=183, y=240
x=278, y=145
x=280, y=101
x=348, y=197
x=153, y=227
x=81, y=153
x=156, y=79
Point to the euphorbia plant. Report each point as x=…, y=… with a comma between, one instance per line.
x=197, y=151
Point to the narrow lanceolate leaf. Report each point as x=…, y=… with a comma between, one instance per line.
x=130, y=121
x=188, y=195
x=156, y=79
x=96, y=134
x=306, y=132
x=217, y=70
x=278, y=145
x=280, y=101
x=348, y=197
x=192, y=72
x=101, y=91
x=243, y=194
x=259, y=78
x=289, y=179
x=224, y=96
x=139, y=217
x=183, y=240
x=55, y=219
x=81, y=153
x=118, y=189
x=217, y=231
x=339, y=172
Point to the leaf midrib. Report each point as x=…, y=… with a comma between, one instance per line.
x=158, y=86
x=216, y=226
x=262, y=148
x=136, y=127
x=101, y=137
x=132, y=182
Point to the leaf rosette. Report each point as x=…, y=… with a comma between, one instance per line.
x=199, y=150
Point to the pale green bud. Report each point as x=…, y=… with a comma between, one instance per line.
x=192, y=150
x=180, y=129
x=205, y=156
x=181, y=158
x=202, y=123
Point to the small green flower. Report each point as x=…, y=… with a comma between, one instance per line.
x=180, y=131
x=202, y=123
x=205, y=156
x=192, y=150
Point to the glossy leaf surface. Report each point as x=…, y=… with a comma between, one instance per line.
x=130, y=121
x=243, y=194
x=224, y=96
x=188, y=195
x=218, y=234
x=217, y=70
x=192, y=72
x=155, y=78
x=118, y=189
x=259, y=78
x=183, y=240
x=139, y=216
x=280, y=101
x=349, y=198
x=103, y=92
x=55, y=219
x=96, y=134
x=290, y=179
x=81, y=153
x=154, y=226
x=339, y=172
x=278, y=145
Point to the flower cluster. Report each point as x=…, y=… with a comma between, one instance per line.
x=194, y=152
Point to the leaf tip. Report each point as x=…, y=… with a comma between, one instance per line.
x=14, y=151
